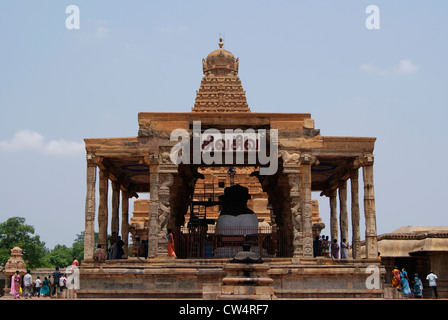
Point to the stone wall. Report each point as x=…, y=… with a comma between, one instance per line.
x=203, y=279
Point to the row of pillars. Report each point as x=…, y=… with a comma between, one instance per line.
x=304, y=249
x=369, y=212
x=89, y=234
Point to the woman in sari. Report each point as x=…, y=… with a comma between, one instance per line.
x=15, y=285
x=418, y=286
x=396, y=281
x=405, y=289
x=45, y=290
x=169, y=236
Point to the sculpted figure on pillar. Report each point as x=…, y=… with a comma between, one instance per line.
x=306, y=161
x=164, y=202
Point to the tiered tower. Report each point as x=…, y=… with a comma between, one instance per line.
x=221, y=89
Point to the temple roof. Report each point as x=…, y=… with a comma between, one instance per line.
x=220, y=89
x=413, y=240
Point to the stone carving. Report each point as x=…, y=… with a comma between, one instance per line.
x=165, y=157
x=296, y=213
x=166, y=180
x=235, y=212
x=289, y=158
x=164, y=213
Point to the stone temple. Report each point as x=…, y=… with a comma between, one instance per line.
x=222, y=177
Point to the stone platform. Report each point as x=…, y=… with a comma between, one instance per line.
x=166, y=278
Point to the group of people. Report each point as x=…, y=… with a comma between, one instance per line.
x=141, y=248
x=323, y=247
x=115, y=251
x=401, y=282
x=50, y=286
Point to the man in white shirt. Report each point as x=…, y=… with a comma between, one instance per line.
x=28, y=284
x=432, y=278
x=37, y=287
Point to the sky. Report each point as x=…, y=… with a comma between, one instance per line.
x=59, y=85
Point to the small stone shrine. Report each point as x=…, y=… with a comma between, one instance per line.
x=14, y=263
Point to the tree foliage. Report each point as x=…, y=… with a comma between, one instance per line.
x=15, y=233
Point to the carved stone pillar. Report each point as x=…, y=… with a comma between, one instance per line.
x=296, y=210
x=333, y=214
x=166, y=180
x=125, y=222
x=115, y=221
x=153, y=241
x=102, y=209
x=355, y=213
x=343, y=214
x=307, y=205
x=369, y=211
x=89, y=232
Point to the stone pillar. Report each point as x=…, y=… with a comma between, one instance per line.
x=343, y=215
x=89, y=232
x=369, y=211
x=333, y=215
x=115, y=220
x=355, y=213
x=166, y=181
x=102, y=208
x=307, y=205
x=125, y=222
x=292, y=196
x=296, y=210
x=153, y=240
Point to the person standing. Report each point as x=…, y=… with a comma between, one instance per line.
x=335, y=249
x=405, y=289
x=45, y=290
x=344, y=249
x=56, y=275
x=432, y=278
x=28, y=284
x=50, y=286
x=170, y=237
x=396, y=281
x=15, y=285
x=75, y=262
x=418, y=287
x=62, y=282
x=120, y=251
x=37, y=286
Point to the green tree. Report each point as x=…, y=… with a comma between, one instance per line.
x=15, y=233
x=61, y=256
x=78, y=247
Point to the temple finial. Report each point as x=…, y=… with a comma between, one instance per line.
x=220, y=42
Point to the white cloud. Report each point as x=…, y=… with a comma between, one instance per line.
x=63, y=148
x=23, y=140
x=404, y=67
x=26, y=140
